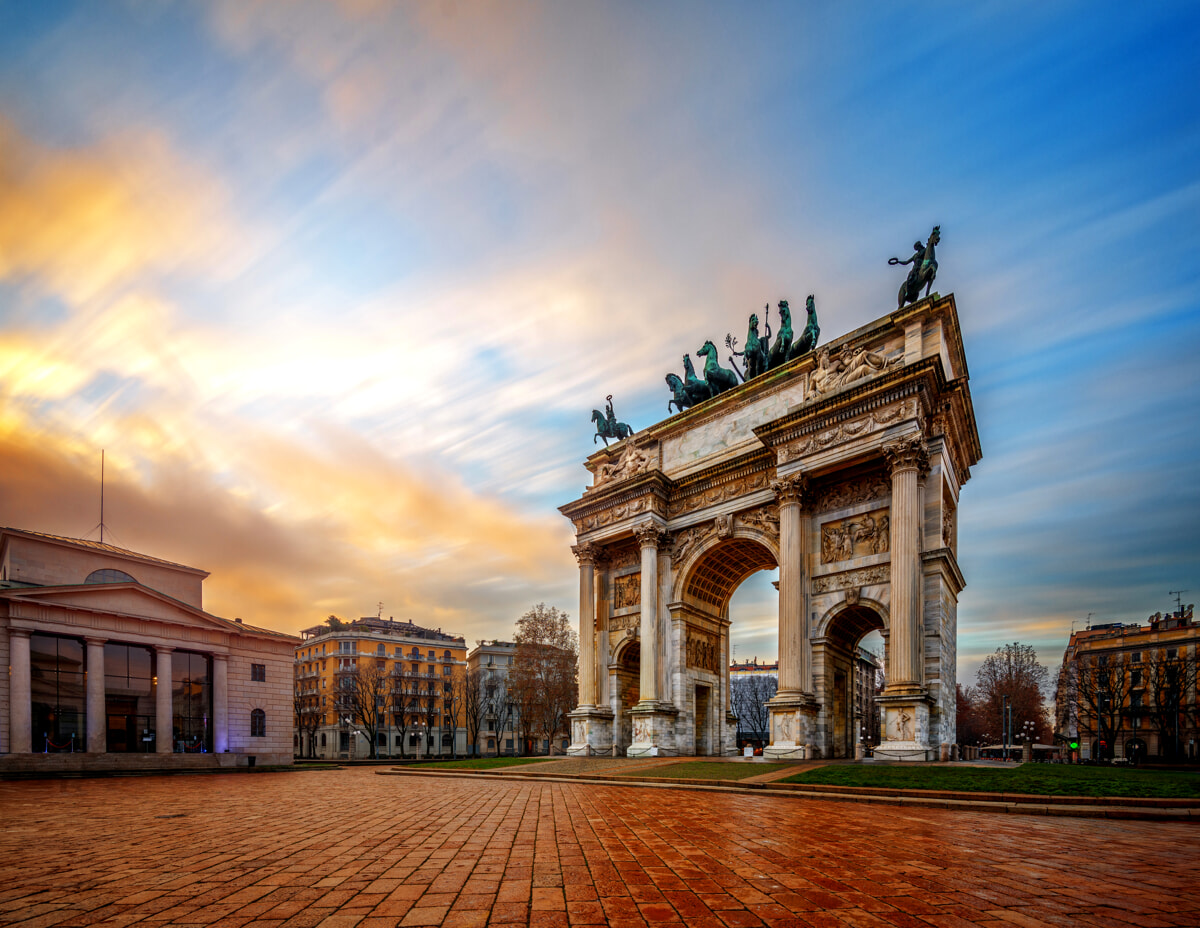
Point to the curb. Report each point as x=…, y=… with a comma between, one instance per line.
x=1111, y=807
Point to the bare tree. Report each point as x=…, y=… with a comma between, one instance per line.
x=428, y=709
x=308, y=719
x=542, y=679
x=1099, y=685
x=363, y=696
x=1013, y=671
x=403, y=701
x=1168, y=677
x=454, y=693
x=502, y=709
x=474, y=706
x=748, y=697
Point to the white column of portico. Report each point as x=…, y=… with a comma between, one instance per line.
x=795, y=649
x=20, y=722
x=906, y=458
x=164, y=740
x=586, y=555
x=647, y=536
x=220, y=703
x=97, y=740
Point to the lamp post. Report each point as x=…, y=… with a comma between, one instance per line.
x=1027, y=736
x=1004, y=724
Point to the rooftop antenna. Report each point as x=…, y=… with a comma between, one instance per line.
x=1088, y=620
x=1178, y=601
x=379, y=614
x=101, y=496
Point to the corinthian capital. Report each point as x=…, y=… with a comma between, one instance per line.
x=793, y=489
x=907, y=454
x=648, y=534
x=586, y=554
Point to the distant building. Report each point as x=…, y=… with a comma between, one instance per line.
x=752, y=668
x=426, y=664
x=868, y=682
x=498, y=733
x=113, y=660
x=1128, y=690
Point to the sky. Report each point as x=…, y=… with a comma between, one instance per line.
x=336, y=285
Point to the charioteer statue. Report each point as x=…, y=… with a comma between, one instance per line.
x=607, y=425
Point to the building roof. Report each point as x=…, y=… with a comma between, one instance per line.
x=377, y=626
x=102, y=548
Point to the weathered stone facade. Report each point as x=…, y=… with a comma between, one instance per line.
x=844, y=469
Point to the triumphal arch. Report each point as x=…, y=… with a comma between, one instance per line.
x=841, y=466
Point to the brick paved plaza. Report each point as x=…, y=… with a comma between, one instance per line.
x=349, y=848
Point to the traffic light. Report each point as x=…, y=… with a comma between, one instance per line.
x=1074, y=745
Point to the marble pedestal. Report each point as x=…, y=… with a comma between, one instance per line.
x=793, y=720
x=653, y=730
x=905, y=728
x=591, y=731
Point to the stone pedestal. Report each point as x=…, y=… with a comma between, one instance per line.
x=591, y=731
x=793, y=721
x=653, y=731
x=905, y=729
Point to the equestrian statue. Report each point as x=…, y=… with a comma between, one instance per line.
x=924, y=269
x=607, y=425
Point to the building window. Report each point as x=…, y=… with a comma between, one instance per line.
x=58, y=700
x=258, y=672
x=1135, y=678
x=508, y=744
x=1172, y=653
x=258, y=724
x=446, y=740
x=446, y=655
x=191, y=701
x=1136, y=657
x=399, y=741
x=446, y=670
x=412, y=739
x=381, y=650
x=322, y=739
x=109, y=575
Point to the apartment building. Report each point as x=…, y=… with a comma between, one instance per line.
x=489, y=662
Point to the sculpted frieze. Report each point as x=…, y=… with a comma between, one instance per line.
x=847, y=366
x=618, y=512
x=687, y=539
x=623, y=622
x=765, y=519
x=843, y=432
x=852, y=579
x=712, y=496
x=843, y=539
x=853, y=492
x=633, y=461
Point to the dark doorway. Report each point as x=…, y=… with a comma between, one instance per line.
x=703, y=720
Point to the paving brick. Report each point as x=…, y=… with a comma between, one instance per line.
x=248, y=850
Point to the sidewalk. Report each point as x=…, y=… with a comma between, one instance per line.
x=623, y=772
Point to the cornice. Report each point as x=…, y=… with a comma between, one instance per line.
x=597, y=499
x=944, y=558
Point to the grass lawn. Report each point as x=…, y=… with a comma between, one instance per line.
x=481, y=763
x=1036, y=779
x=703, y=770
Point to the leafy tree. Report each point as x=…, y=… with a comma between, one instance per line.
x=1013, y=671
x=542, y=679
x=969, y=717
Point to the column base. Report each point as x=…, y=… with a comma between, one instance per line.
x=653, y=730
x=905, y=735
x=793, y=721
x=591, y=731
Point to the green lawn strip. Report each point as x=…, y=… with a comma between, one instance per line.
x=481, y=763
x=1033, y=779
x=701, y=770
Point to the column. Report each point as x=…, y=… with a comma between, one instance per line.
x=795, y=650
x=647, y=536
x=906, y=458
x=586, y=555
x=165, y=742
x=221, y=704
x=19, y=717
x=97, y=729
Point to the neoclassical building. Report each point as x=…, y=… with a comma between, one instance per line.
x=843, y=468
x=112, y=661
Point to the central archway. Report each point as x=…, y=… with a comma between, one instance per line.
x=705, y=583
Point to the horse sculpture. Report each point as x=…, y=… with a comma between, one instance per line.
x=719, y=378
x=608, y=427
x=778, y=354
x=808, y=338
x=924, y=269
x=755, y=352
x=687, y=392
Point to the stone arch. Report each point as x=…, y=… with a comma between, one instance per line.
x=708, y=576
x=838, y=674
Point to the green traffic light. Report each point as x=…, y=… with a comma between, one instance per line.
x=1074, y=745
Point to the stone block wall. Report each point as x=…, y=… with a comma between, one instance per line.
x=273, y=696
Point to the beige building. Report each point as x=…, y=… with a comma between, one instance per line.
x=1129, y=690
x=498, y=731
x=113, y=662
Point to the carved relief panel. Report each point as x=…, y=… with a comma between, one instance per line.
x=627, y=591
x=703, y=651
x=855, y=536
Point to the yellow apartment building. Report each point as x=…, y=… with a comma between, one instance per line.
x=373, y=679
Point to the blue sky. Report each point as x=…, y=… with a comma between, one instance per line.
x=337, y=285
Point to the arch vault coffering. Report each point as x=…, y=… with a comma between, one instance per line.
x=843, y=469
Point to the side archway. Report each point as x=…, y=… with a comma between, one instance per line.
x=844, y=676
